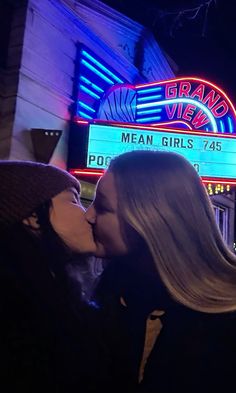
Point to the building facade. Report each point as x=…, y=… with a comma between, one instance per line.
x=37, y=74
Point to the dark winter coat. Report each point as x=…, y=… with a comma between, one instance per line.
x=50, y=340
x=191, y=352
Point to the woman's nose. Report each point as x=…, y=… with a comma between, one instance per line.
x=90, y=215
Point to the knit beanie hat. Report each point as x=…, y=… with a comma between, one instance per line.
x=25, y=185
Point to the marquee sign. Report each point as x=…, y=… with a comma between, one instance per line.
x=190, y=116
x=183, y=103
x=190, y=103
x=212, y=155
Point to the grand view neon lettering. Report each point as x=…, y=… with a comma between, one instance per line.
x=191, y=112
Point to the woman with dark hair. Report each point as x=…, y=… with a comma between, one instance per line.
x=172, y=280
x=51, y=339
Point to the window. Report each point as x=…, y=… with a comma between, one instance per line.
x=221, y=214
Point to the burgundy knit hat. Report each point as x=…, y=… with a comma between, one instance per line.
x=25, y=185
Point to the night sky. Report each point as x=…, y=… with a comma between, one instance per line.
x=201, y=42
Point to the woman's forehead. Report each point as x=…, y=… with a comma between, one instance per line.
x=106, y=183
x=106, y=188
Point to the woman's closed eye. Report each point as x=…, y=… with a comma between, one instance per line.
x=75, y=197
x=101, y=208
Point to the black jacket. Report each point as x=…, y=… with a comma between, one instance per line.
x=194, y=352
x=50, y=341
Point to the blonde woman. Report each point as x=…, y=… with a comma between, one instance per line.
x=173, y=279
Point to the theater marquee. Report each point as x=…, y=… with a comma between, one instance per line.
x=213, y=155
x=187, y=115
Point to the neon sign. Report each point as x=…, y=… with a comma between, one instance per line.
x=93, y=78
x=191, y=116
x=190, y=103
x=212, y=155
x=187, y=102
x=199, y=103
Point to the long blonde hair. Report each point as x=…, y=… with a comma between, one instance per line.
x=162, y=197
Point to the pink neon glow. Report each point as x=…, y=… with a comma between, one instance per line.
x=82, y=122
x=86, y=172
x=219, y=181
x=99, y=173
x=173, y=122
x=194, y=80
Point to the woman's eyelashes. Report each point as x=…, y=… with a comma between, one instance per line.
x=75, y=197
x=76, y=200
x=101, y=208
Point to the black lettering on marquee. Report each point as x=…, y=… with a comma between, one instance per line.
x=212, y=145
x=99, y=160
x=142, y=139
x=171, y=141
x=125, y=137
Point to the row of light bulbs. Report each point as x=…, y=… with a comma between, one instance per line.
x=214, y=189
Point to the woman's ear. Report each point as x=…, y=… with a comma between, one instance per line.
x=32, y=222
